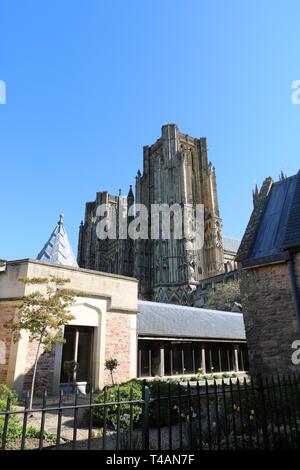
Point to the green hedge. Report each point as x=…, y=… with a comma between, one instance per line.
x=123, y=392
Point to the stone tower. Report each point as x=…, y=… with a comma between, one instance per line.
x=108, y=255
x=176, y=170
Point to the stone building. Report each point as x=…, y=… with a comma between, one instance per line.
x=176, y=170
x=178, y=340
x=269, y=263
x=147, y=339
x=104, y=326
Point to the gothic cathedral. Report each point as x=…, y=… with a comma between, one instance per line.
x=176, y=170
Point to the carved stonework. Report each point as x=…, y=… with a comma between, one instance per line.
x=176, y=170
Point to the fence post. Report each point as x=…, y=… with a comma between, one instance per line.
x=145, y=416
x=263, y=411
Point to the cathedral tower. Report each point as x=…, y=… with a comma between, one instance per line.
x=176, y=170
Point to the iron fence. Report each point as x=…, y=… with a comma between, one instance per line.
x=257, y=413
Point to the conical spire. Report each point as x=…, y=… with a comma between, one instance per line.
x=58, y=249
x=130, y=196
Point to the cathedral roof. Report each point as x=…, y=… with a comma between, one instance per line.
x=58, y=249
x=279, y=227
x=231, y=244
x=176, y=321
x=274, y=225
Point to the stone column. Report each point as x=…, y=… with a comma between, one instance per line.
x=162, y=361
x=203, y=363
x=57, y=368
x=236, y=358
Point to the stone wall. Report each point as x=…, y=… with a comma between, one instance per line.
x=270, y=321
x=7, y=313
x=176, y=170
x=107, y=303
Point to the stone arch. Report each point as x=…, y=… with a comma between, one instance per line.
x=89, y=315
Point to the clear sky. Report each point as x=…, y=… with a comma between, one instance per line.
x=90, y=82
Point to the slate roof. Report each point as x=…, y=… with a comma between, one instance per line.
x=231, y=244
x=279, y=227
x=167, y=320
x=292, y=233
x=58, y=249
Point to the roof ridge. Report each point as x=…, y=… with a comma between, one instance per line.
x=164, y=304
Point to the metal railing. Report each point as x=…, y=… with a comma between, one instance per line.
x=218, y=415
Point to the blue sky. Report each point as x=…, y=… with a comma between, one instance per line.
x=89, y=83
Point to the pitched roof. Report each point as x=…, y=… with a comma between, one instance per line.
x=231, y=244
x=292, y=233
x=279, y=227
x=58, y=249
x=168, y=320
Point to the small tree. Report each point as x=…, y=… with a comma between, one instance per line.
x=43, y=315
x=70, y=367
x=224, y=296
x=111, y=365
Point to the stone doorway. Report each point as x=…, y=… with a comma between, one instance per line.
x=77, y=350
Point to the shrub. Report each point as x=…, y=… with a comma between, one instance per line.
x=6, y=392
x=226, y=375
x=168, y=410
x=14, y=429
x=110, y=412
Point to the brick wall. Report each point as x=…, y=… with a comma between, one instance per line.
x=7, y=312
x=270, y=321
x=45, y=369
x=118, y=346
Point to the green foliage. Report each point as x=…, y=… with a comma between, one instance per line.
x=125, y=392
x=111, y=364
x=168, y=409
x=6, y=392
x=34, y=433
x=44, y=312
x=226, y=375
x=14, y=430
x=165, y=388
x=69, y=368
x=224, y=296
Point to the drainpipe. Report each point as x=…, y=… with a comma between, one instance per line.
x=295, y=291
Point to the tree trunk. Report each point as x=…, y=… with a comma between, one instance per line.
x=34, y=374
